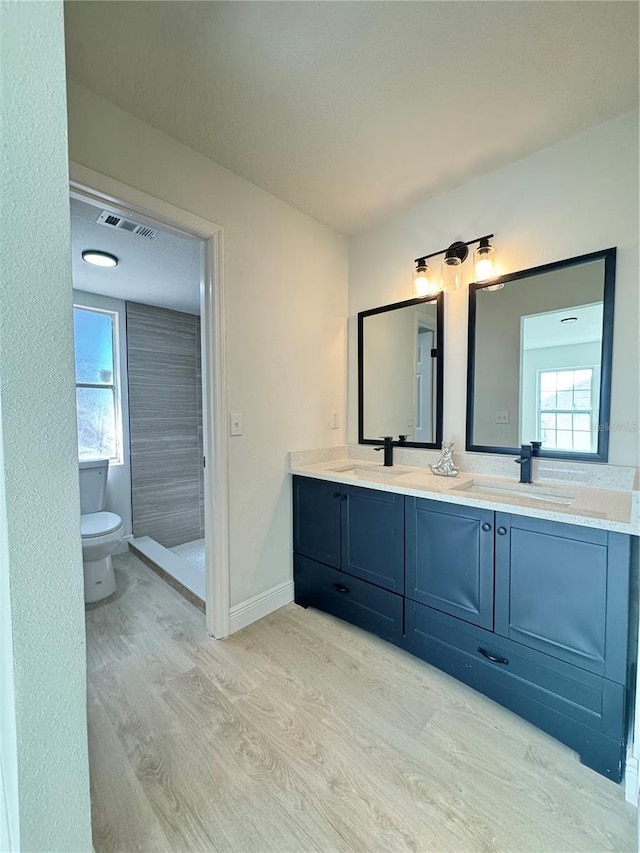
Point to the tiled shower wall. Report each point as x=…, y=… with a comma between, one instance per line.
x=165, y=411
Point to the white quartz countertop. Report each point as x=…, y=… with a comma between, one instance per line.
x=605, y=509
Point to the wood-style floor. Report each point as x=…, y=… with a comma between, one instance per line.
x=302, y=733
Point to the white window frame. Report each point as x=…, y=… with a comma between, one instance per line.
x=590, y=411
x=115, y=385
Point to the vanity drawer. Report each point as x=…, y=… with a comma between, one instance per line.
x=349, y=598
x=554, y=695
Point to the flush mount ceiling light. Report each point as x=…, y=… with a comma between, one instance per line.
x=569, y=320
x=99, y=259
x=484, y=256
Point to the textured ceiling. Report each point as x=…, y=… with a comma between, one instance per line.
x=351, y=110
x=162, y=271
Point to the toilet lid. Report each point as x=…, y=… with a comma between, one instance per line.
x=99, y=523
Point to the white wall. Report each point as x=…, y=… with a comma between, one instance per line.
x=286, y=294
x=570, y=199
x=42, y=533
x=119, y=480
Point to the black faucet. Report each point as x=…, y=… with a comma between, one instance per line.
x=388, y=446
x=527, y=452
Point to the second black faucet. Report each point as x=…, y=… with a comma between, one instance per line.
x=527, y=452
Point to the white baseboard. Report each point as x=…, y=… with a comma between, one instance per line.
x=631, y=780
x=255, y=608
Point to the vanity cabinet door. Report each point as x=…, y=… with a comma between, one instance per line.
x=316, y=520
x=564, y=590
x=373, y=537
x=449, y=559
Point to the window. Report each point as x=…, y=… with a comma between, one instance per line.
x=565, y=409
x=97, y=392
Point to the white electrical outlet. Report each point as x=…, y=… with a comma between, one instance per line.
x=235, y=424
x=502, y=418
x=335, y=420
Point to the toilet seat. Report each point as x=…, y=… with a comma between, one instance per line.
x=99, y=524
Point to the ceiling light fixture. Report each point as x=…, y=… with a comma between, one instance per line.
x=99, y=259
x=454, y=257
x=569, y=320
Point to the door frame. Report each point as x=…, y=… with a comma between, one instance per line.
x=430, y=323
x=90, y=186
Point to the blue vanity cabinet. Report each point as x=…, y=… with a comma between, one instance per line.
x=358, y=602
x=564, y=590
x=373, y=537
x=450, y=559
x=533, y=613
x=349, y=553
x=317, y=520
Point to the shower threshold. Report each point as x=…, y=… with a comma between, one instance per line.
x=183, y=566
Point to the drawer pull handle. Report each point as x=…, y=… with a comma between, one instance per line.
x=492, y=658
x=486, y=526
x=502, y=531
x=340, y=587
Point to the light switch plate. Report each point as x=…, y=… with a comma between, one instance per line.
x=502, y=418
x=235, y=423
x=335, y=420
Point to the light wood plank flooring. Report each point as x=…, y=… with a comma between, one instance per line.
x=302, y=733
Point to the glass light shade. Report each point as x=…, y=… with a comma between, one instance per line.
x=484, y=262
x=424, y=284
x=451, y=273
x=99, y=259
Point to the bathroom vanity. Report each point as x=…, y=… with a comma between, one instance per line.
x=521, y=590
x=528, y=609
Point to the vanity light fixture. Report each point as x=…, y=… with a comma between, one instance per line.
x=454, y=257
x=483, y=260
x=424, y=284
x=99, y=259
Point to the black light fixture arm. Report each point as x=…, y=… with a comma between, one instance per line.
x=453, y=247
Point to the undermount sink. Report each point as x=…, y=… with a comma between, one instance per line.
x=520, y=490
x=367, y=471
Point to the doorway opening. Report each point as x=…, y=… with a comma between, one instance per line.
x=161, y=419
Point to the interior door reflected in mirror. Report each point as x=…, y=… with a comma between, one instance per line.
x=400, y=370
x=540, y=344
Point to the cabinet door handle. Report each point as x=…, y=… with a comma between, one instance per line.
x=492, y=658
x=502, y=531
x=335, y=495
x=486, y=526
x=343, y=497
x=340, y=588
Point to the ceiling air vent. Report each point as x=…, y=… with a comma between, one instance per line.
x=112, y=220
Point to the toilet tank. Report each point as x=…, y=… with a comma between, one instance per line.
x=93, y=485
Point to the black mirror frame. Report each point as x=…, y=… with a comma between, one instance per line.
x=602, y=452
x=439, y=300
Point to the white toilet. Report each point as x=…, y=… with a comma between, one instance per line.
x=102, y=531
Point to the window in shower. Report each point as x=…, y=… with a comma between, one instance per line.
x=97, y=390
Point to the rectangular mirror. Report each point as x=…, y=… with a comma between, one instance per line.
x=400, y=370
x=539, y=360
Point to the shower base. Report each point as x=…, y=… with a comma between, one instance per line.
x=183, y=564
